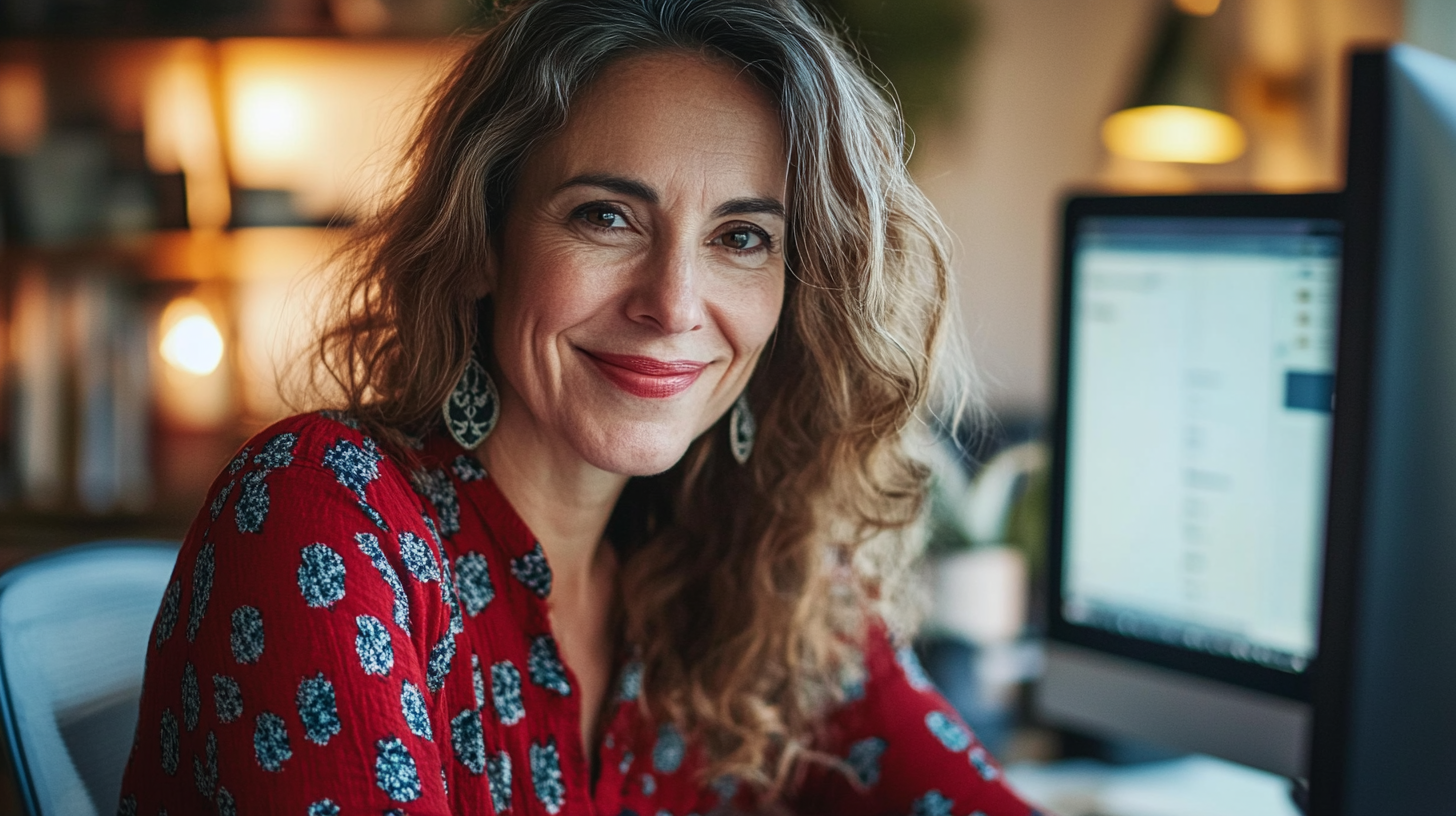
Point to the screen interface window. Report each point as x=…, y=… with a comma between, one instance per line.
x=1200, y=398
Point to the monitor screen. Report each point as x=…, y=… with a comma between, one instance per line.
x=1198, y=415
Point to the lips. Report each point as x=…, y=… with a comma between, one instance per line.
x=647, y=377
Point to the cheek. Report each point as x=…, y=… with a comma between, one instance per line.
x=752, y=313
x=540, y=298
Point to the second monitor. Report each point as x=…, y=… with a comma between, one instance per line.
x=1191, y=471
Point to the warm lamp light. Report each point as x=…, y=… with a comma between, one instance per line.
x=271, y=120
x=1174, y=133
x=190, y=339
x=1174, y=115
x=181, y=132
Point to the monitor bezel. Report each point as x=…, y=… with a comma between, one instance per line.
x=1290, y=685
x=1367, y=155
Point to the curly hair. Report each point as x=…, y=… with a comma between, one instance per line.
x=748, y=590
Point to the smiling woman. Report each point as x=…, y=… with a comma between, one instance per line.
x=661, y=263
x=640, y=272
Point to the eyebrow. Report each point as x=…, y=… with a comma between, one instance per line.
x=617, y=184
x=748, y=206
x=643, y=191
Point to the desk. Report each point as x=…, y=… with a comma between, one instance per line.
x=1190, y=786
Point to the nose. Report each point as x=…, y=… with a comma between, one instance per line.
x=667, y=293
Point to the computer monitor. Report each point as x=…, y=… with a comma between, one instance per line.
x=1384, y=737
x=1191, y=470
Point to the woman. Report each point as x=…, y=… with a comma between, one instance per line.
x=660, y=263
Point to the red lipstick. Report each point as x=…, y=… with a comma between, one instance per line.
x=647, y=377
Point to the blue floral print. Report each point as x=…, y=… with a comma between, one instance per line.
x=544, y=666
x=369, y=545
x=376, y=653
x=532, y=570
x=498, y=774
x=416, y=716
x=191, y=697
x=933, y=803
x=668, y=752
x=202, y=571
x=417, y=558
x=546, y=776
x=247, y=634
x=468, y=741
x=951, y=734
x=395, y=772
x=914, y=673
x=321, y=576
x=318, y=709
x=439, y=491
x=355, y=466
x=467, y=468
x=439, y=663
x=505, y=692
x=982, y=763
x=270, y=741
x=864, y=760
x=472, y=576
x=167, y=615
x=170, y=742
x=227, y=698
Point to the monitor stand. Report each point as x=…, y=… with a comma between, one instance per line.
x=1102, y=693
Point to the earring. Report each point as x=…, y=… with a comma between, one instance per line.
x=741, y=429
x=472, y=407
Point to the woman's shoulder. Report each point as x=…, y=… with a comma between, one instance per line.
x=315, y=468
x=304, y=502
x=312, y=573
x=329, y=440
x=314, y=438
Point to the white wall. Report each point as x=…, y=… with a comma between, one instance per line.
x=1042, y=77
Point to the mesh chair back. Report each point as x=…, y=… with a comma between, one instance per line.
x=73, y=637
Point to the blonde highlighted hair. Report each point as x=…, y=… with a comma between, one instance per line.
x=747, y=589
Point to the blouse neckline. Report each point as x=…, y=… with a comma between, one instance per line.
x=514, y=543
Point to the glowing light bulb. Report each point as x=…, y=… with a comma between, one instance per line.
x=190, y=339
x=1174, y=133
x=272, y=120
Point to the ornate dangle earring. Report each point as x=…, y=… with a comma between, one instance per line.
x=473, y=406
x=741, y=429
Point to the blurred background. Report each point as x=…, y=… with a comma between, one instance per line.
x=175, y=174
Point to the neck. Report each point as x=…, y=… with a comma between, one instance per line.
x=563, y=499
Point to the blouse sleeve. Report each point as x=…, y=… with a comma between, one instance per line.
x=905, y=749
x=302, y=644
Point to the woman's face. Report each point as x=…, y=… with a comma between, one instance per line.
x=641, y=270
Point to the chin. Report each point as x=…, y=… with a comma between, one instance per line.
x=635, y=451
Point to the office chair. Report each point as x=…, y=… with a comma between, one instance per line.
x=73, y=642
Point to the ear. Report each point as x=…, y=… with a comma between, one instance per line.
x=483, y=281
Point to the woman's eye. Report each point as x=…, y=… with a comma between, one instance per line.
x=603, y=217
x=742, y=240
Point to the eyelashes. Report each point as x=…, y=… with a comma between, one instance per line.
x=766, y=241
x=593, y=215
x=585, y=214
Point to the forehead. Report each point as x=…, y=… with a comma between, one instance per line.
x=667, y=117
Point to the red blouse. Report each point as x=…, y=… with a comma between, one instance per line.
x=342, y=637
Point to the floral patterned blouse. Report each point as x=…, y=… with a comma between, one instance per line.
x=342, y=637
